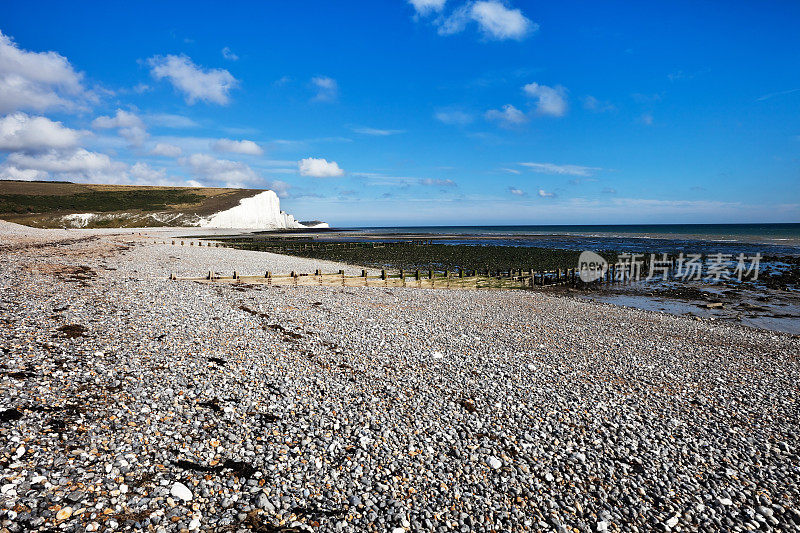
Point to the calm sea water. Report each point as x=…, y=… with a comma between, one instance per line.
x=670, y=238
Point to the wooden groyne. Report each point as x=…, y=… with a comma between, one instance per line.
x=428, y=279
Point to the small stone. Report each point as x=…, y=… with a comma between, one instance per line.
x=179, y=490
x=494, y=462
x=672, y=522
x=437, y=355
x=725, y=501
x=602, y=525
x=64, y=513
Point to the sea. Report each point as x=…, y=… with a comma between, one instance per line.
x=766, y=239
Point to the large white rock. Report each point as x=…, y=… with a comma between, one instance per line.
x=179, y=490
x=262, y=211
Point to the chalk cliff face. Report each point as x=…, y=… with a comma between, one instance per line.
x=262, y=211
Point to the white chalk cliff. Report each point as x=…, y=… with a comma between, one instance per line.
x=262, y=211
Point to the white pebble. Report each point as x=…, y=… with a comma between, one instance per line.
x=179, y=490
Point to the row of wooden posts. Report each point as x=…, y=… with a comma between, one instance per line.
x=460, y=278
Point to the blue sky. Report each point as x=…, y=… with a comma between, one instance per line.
x=418, y=112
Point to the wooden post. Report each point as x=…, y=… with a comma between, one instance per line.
x=416, y=275
x=210, y=275
x=235, y=275
x=430, y=274
x=181, y=243
x=460, y=272
x=383, y=274
x=268, y=274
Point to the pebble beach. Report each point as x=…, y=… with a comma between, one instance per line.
x=134, y=403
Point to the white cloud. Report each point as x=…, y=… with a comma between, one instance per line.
x=327, y=89
x=437, y=182
x=499, y=22
x=510, y=116
x=80, y=160
x=549, y=100
x=545, y=194
x=144, y=174
x=78, y=165
x=377, y=132
x=566, y=170
x=168, y=120
x=129, y=126
x=609, y=190
x=517, y=192
x=511, y=170
x=237, y=147
x=453, y=117
x=20, y=132
x=319, y=168
x=646, y=119
x=494, y=19
x=426, y=7
x=197, y=84
x=281, y=188
x=38, y=80
x=227, y=54
x=231, y=173
x=166, y=150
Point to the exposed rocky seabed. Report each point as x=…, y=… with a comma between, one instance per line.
x=131, y=402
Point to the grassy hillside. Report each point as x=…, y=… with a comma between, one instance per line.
x=45, y=204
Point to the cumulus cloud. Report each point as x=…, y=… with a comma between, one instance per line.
x=517, y=192
x=548, y=100
x=196, y=83
x=453, y=117
x=231, y=173
x=499, y=22
x=75, y=165
x=237, y=147
x=566, y=170
x=166, y=150
x=508, y=117
x=128, y=125
x=38, y=80
x=229, y=55
x=545, y=194
x=494, y=19
x=327, y=89
x=426, y=7
x=22, y=133
x=144, y=174
x=319, y=168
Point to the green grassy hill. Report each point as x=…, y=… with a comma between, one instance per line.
x=48, y=204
